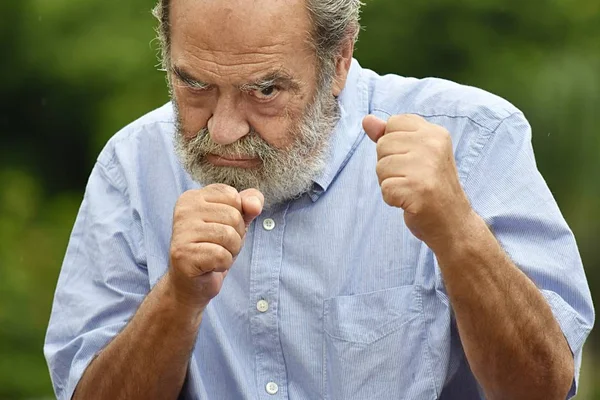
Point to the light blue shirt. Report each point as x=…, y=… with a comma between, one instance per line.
x=332, y=297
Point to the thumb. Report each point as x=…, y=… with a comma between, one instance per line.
x=374, y=127
x=252, y=204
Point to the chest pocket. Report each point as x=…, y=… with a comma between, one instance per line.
x=376, y=346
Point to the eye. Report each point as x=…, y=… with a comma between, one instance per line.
x=266, y=93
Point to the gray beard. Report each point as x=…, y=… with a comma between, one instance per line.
x=284, y=174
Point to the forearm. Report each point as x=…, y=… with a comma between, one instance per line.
x=149, y=358
x=514, y=345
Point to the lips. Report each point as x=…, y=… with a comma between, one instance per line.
x=237, y=158
x=242, y=162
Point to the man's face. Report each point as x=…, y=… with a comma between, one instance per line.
x=245, y=82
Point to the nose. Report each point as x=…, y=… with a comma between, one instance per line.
x=228, y=123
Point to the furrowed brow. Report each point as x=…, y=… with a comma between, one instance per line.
x=270, y=80
x=188, y=79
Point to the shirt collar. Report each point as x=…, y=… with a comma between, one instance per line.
x=348, y=132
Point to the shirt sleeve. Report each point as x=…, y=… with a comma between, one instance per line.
x=102, y=282
x=506, y=189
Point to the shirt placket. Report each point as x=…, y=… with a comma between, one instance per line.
x=271, y=375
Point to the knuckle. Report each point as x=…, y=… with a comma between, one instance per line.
x=186, y=203
x=234, y=240
x=181, y=202
x=225, y=190
x=229, y=234
x=415, y=118
x=395, y=122
x=386, y=187
x=388, y=199
x=236, y=217
x=183, y=197
x=387, y=190
x=405, y=122
x=437, y=145
x=383, y=145
x=222, y=257
x=178, y=213
x=443, y=135
x=380, y=168
x=379, y=146
x=394, y=119
x=188, y=196
x=178, y=253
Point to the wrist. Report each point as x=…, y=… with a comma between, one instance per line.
x=456, y=243
x=179, y=302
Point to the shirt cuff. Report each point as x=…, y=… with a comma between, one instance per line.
x=574, y=328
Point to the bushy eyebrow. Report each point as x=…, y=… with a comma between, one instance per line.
x=277, y=78
x=188, y=79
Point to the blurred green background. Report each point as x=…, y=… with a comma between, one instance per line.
x=73, y=73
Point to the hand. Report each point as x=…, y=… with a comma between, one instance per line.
x=209, y=227
x=417, y=173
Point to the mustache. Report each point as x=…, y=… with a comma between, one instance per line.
x=251, y=145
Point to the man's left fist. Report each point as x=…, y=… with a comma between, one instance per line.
x=417, y=173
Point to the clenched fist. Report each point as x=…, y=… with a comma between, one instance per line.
x=417, y=173
x=209, y=227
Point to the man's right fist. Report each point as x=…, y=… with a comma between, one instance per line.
x=209, y=227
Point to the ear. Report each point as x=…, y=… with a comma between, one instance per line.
x=342, y=66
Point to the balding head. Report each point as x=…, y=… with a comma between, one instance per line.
x=332, y=23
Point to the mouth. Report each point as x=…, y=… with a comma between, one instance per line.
x=240, y=162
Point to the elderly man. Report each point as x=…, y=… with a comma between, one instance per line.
x=292, y=226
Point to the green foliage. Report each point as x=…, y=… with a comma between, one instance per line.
x=73, y=73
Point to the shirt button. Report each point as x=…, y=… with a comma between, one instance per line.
x=262, y=306
x=269, y=224
x=272, y=388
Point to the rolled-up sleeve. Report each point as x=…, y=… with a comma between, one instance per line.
x=102, y=282
x=507, y=190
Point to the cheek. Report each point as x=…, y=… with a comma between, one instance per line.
x=193, y=114
x=276, y=128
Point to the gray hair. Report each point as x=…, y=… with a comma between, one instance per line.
x=334, y=22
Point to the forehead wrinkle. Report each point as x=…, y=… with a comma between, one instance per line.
x=269, y=44
x=192, y=46
x=241, y=71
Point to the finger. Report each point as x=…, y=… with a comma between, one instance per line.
x=219, y=214
x=396, y=192
x=210, y=257
x=252, y=205
x=223, y=235
x=222, y=194
x=401, y=143
x=404, y=123
x=392, y=166
x=188, y=217
x=374, y=127
x=394, y=143
x=202, y=258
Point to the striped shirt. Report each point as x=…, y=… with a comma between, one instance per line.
x=331, y=297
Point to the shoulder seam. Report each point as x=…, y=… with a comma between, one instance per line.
x=133, y=128
x=486, y=143
x=491, y=130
